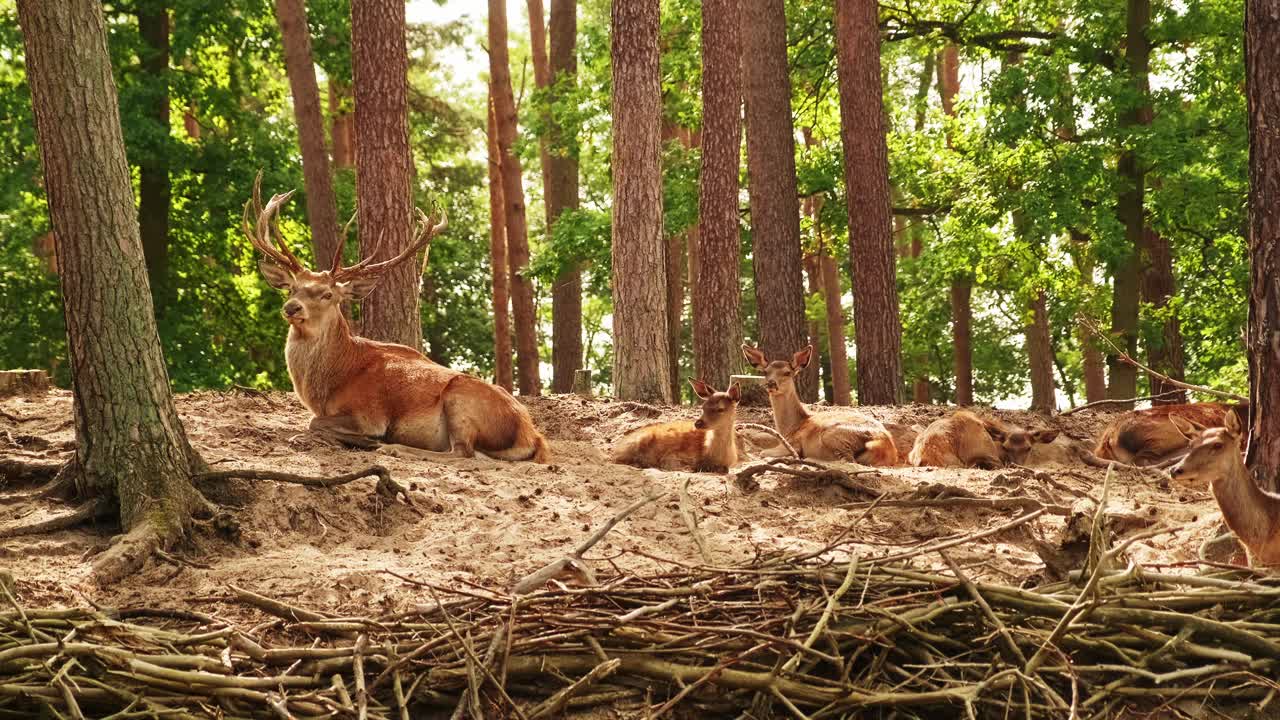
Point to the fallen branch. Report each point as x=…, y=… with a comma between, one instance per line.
x=1006, y=503
x=386, y=485
x=691, y=521
x=557, y=703
x=804, y=469
x=773, y=432
x=1118, y=401
x=276, y=607
x=1127, y=359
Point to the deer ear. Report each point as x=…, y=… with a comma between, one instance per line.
x=1232, y=423
x=995, y=431
x=1046, y=436
x=276, y=276
x=1185, y=427
x=359, y=288
x=755, y=357
x=735, y=392
x=702, y=389
x=801, y=359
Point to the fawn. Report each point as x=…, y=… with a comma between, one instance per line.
x=1148, y=437
x=836, y=435
x=1252, y=513
x=707, y=444
x=966, y=440
x=360, y=391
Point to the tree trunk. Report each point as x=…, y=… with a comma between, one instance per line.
x=344, y=149
x=866, y=174
x=154, y=187
x=384, y=167
x=675, y=309
x=961, y=340
x=813, y=276
x=1164, y=353
x=322, y=205
x=717, y=328
x=130, y=443
x=561, y=195
x=640, y=339
x=1040, y=357
x=831, y=294
x=526, y=320
x=498, y=259
x=1095, y=379
x=771, y=170
x=1262, y=73
x=913, y=244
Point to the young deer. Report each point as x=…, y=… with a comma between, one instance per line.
x=1252, y=513
x=361, y=391
x=836, y=435
x=1148, y=437
x=707, y=444
x=967, y=440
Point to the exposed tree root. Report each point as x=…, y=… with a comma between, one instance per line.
x=804, y=469
x=83, y=513
x=130, y=551
x=386, y=485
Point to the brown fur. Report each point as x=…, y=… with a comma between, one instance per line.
x=706, y=445
x=836, y=435
x=967, y=440
x=1147, y=437
x=1252, y=513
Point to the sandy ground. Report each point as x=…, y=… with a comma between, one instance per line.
x=489, y=522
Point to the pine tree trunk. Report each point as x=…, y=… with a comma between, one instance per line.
x=913, y=245
x=154, y=188
x=322, y=205
x=1262, y=73
x=525, y=317
x=1040, y=357
x=813, y=276
x=866, y=173
x=130, y=444
x=498, y=259
x=640, y=339
x=1095, y=379
x=561, y=195
x=831, y=294
x=771, y=169
x=1164, y=353
x=962, y=340
x=717, y=328
x=384, y=167
x=341, y=133
x=675, y=309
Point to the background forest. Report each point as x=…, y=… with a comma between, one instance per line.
x=1055, y=166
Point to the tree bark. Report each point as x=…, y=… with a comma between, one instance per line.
x=130, y=443
x=498, y=258
x=1040, y=357
x=154, y=188
x=913, y=244
x=641, y=343
x=961, y=287
x=821, y=370
x=561, y=195
x=1164, y=352
x=1094, y=368
x=343, y=141
x=675, y=309
x=771, y=170
x=526, y=320
x=1262, y=82
x=866, y=174
x=717, y=328
x=384, y=167
x=831, y=294
x=322, y=205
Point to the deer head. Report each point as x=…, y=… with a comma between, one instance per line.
x=779, y=375
x=715, y=405
x=1015, y=443
x=1214, y=452
x=315, y=298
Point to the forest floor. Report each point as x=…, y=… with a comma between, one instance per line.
x=479, y=521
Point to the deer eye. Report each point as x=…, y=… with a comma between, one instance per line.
x=1216, y=446
x=327, y=296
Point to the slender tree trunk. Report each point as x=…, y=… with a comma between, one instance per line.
x=641, y=342
x=498, y=259
x=1040, y=355
x=526, y=320
x=130, y=443
x=1095, y=379
x=154, y=187
x=831, y=294
x=717, y=329
x=675, y=309
x=322, y=205
x=771, y=170
x=961, y=287
x=1262, y=73
x=1164, y=353
x=542, y=74
x=813, y=276
x=344, y=148
x=561, y=195
x=384, y=167
x=913, y=247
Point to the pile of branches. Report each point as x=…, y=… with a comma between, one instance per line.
x=805, y=637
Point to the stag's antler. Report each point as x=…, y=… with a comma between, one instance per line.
x=423, y=233
x=265, y=228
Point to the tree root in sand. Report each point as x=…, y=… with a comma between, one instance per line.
x=60, y=477
x=83, y=513
x=804, y=469
x=386, y=486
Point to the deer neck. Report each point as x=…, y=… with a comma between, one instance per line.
x=788, y=413
x=721, y=446
x=317, y=359
x=1253, y=515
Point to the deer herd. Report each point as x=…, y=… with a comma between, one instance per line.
x=361, y=392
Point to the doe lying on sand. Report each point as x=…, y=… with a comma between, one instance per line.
x=361, y=391
x=1252, y=513
x=836, y=435
x=707, y=444
x=1148, y=437
x=966, y=440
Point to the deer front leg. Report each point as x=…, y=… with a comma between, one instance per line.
x=346, y=429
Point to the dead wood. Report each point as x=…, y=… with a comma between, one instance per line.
x=1127, y=359
x=805, y=470
x=1103, y=403
x=83, y=513
x=386, y=486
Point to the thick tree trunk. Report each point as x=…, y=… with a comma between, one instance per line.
x=640, y=339
x=1262, y=73
x=866, y=174
x=526, y=320
x=322, y=205
x=1040, y=357
x=130, y=444
x=771, y=169
x=154, y=188
x=962, y=340
x=717, y=328
x=341, y=132
x=384, y=167
x=542, y=75
x=1164, y=353
x=498, y=259
x=561, y=195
